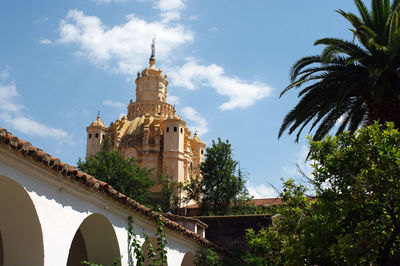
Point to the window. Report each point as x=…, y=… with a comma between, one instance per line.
x=175, y=129
x=167, y=129
x=97, y=135
x=90, y=136
x=104, y=136
x=181, y=130
x=202, y=151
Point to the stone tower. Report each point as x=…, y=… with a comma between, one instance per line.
x=96, y=133
x=174, y=153
x=152, y=131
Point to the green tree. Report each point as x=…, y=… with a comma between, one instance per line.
x=354, y=218
x=124, y=175
x=358, y=82
x=170, y=193
x=221, y=187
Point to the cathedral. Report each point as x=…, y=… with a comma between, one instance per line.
x=152, y=131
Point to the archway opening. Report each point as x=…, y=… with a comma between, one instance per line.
x=188, y=259
x=94, y=241
x=145, y=249
x=21, y=240
x=77, y=252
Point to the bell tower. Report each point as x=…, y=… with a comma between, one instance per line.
x=174, y=153
x=96, y=133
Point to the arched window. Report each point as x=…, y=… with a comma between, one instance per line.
x=181, y=130
x=167, y=129
x=175, y=129
x=97, y=135
x=90, y=136
x=188, y=259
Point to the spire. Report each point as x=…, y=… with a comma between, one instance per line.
x=152, y=60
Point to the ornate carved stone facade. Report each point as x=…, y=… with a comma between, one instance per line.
x=151, y=131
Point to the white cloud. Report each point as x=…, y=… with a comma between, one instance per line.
x=214, y=29
x=170, y=9
x=121, y=48
x=11, y=114
x=5, y=73
x=166, y=5
x=114, y=104
x=45, y=41
x=124, y=48
x=41, y=20
x=31, y=127
x=241, y=93
x=7, y=95
x=197, y=121
x=174, y=100
x=262, y=191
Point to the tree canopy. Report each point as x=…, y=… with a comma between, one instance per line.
x=221, y=186
x=354, y=217
x=351, y=83
x=124, y=175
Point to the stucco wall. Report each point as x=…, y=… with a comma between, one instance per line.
x=62, y=207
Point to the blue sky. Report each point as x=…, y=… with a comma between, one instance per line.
x=226, y=61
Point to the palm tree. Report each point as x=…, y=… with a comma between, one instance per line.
x=350, y=84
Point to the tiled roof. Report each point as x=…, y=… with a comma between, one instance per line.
x=267, y=202
x=83, y=179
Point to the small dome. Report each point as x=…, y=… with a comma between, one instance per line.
x=196, y=138
x=97, y=123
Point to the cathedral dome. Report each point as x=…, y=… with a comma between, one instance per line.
x=133, y=127
x=97, y=123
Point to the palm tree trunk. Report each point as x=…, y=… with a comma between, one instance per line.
x=385, y=111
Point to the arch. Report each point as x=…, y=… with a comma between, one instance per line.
x=145, y=249
x=21, y=232
x=94, y=241
x=188, y=259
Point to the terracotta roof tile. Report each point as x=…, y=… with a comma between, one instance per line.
x=267, y=202
x=54, y=164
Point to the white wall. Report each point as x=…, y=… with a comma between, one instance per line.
x=62, y=207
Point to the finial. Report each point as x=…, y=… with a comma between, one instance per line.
x=153, y=50
x=98, y=114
